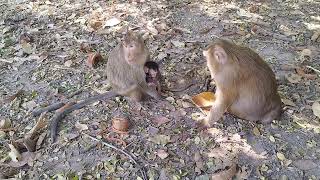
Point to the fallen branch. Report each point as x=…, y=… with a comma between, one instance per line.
x=316, y=70
x=60, y=114
x=52, y=107
x=131, y=157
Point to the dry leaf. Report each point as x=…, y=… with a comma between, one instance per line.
x=81, y=127
x=5, y=123
x=162, y=154
x=160, y=139
x=305, y=164
x=226, y=174
x=120, y=124
x=288, y=102
x=27, y=48
x=160, y=120
x=41, y=123
x=293, y=78
x=306, y=52
x=316, y=109
x=204, y=101
x=199, y=162
x=315, y=36
x=272, y=139
x=178, y=44
x=243, y=173
x=26, y=158
x=93, y=59
x=40, y=140
x=14, y=154
x=256, y=131
x=68, y=63
x=302, y=73
x=281, y=156
x=112, y=22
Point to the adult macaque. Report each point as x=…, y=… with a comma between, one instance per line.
x=125, y=69
x=125, y=73
x=245, y=84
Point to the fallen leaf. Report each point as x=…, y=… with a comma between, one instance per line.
x=5, y=123
x=264, y=167
x=199, y=163
x=170, y=99
x=160, y=120
x=281, y=156
x=306, y=52
x=162, y=154
x=40, y=140
x=68, y=63
x=226, y=174
x=272, y=139
x=95, y=24
x=315, y=36
x=93, y=59
x=120, y=124
x=81, y=127
x=302, y=73
x=204, y=101
x=256, y=131
x=243, y=173
x=2, y=135
x=14, y=154
x=178, y=44
x=203, y=177
x=288, y=102
x=160, y=139
x=41, y=123
x=30, y=144
x=111, y=22
x=305, y=164
x=29, y=105
x=27, y=48
x=26, y=158
x=316, y=109
x=293, y=78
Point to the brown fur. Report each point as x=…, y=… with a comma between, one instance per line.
x=246, y=85
x=125, y=68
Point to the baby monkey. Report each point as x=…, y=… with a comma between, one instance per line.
x=153, y=75
x=245, y=84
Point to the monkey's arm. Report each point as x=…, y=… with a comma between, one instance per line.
x=150, y=91
x=60, y=115
x=223, y=101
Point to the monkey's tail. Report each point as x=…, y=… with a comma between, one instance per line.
x=61, y=114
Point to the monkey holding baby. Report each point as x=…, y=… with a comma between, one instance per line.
x=245, y=85
x=126, y=75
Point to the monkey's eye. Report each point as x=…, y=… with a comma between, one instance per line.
x=131, y=45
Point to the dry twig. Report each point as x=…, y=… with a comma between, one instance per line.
x=131, y=157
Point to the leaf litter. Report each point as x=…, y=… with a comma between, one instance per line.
x=52, y=60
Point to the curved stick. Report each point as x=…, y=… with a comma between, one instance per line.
x=60, y=114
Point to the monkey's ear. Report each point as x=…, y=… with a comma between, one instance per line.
x=220, y=55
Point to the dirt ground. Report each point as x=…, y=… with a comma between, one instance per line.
x=44, y=50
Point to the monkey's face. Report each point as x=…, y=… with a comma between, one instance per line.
x=134, y=49
x=153, y=73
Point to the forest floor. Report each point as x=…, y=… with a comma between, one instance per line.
x=43, y=59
